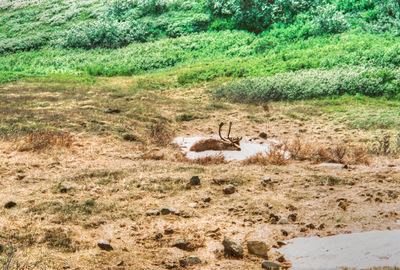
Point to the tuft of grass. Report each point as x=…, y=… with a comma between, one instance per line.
x=41, y=140
x=277, y=156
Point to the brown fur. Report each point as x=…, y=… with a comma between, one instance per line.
x=213, y=144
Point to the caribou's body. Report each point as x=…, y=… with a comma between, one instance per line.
x=227, y=144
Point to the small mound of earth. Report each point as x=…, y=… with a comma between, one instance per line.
x=249, y=147
x=357, y=250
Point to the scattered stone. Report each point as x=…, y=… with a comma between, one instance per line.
x=232, y=249
x=153, y=212
x=306, y=185
x=378, y=199
x=263, y=135
x=331, y=165
x=281, y=243
x=109, y=110
x=229, y=189
x=310, y=226
x=270, y=265
x=130, y=137
x=169, y=231
x=281, y=259
x=182, y=244
x=171, y=266
x=104, y=245
x=321, y=226
x=121, y=263
x=10, y=204
x=168, y=210
x=193, y=205
x=66, y=267
x=189, y=261
x=194, y=181
x=303, y=229
x=273, y=219
x=284, y=233
x=291, y=207
x=258, y=248
x=207, y=199
x=283, y=221
x=159, y=236
x=343, y=205
x=292, y=217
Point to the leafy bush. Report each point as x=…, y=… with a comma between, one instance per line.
x=307, y=85
x=328, y=20
x=256, y=15
x=104, y=34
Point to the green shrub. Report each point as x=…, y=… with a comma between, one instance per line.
x=308, y=85
x=6, y=77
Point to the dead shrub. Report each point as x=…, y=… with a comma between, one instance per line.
x=45, y=139
x=277, y=156
x=357, y=155
x=209, y=160
x=160, y=133
x=339, y=153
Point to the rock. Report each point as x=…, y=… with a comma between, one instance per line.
x=266, y=181
x=189, y=261
x=284, y=233
x=193, y=205
x=66, y=267
x=292, y=217
x=10, y=204
x=158, y=236
x=343, y=205
x=130, y=137
x=109, y=110
x=281, y=259
x=270, y=265
x=258, y=248
x=303, y=229
x=152, y=212
x=283, y=221
x=291, y=207
x=194, y=181
x=169, y=231
x=207, y=199
x=121, y=263
x=104, y=245
x=310, y=226
x=168, y=210
x=321, y=226
x=232, y=249
x=182, y=244
x=331, y=165
x=229, y=189
x=263, y=135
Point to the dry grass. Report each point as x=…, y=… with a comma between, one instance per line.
x=277, y=156
x=44, y=139
x=337, y=153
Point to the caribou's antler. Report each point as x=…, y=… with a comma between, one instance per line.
x=234, y=140
x=219, y=131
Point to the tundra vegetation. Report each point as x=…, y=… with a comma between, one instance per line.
x=92, y=93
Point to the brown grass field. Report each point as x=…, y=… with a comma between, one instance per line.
x=86, y=160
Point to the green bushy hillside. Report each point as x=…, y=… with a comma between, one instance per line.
x=197, y=41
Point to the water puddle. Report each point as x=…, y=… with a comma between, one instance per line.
x=357, y=250
x=249, y=146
